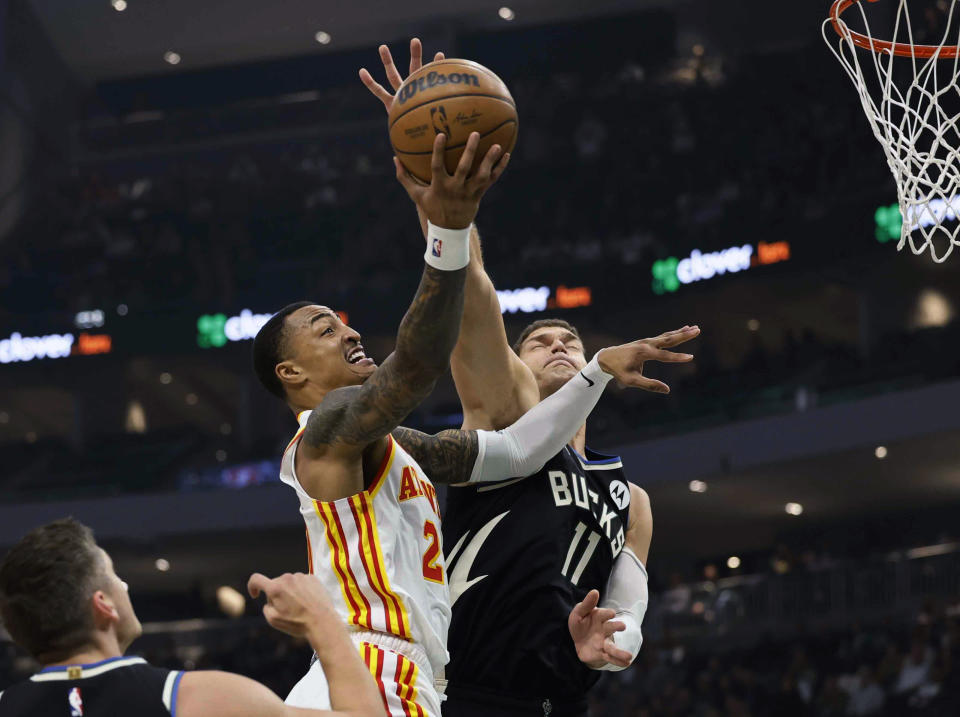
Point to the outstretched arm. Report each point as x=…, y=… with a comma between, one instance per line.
x=494, y=385
x=350, y=419
x=523, y=448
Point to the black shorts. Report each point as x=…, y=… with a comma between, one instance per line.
x=478, y=702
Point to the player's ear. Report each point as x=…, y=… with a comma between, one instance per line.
x=290, y=374
x=104, y=609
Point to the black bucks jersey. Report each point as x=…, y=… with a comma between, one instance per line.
x=113, y=688
x=520, y=554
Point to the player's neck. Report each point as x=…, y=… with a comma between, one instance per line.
x=103, y=650
x=579, y=440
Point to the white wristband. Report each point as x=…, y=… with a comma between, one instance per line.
x=447, y=249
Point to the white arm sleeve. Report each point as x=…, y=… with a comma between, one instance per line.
x=523, y=448
x=626, y=594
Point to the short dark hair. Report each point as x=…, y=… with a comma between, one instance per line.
x=270, y=348
x=46, y=581
x=542, y=324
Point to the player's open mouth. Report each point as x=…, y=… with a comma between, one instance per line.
x=357, y=357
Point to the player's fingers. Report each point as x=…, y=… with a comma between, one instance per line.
x=375, y=87
x=583, y=609
x=413, y=185
x=603, y=614
x=481, y=179
x=648, y=384
x=416, y=55
x=258, y=583
x=436, y=161
x=271, y=613
x=673, y=338
x=668, y=356
x=616, y=656
x=612, y=626
x=439, y=56
x=499, y=168
x=393, y=76
x=466, y=160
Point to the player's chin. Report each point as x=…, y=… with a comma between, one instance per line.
x=362, y=370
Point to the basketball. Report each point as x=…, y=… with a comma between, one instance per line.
x=453, y=97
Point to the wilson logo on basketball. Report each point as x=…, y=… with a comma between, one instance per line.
x=436, y=79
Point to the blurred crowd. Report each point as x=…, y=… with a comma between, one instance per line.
x=885, y=670
x=617, y=170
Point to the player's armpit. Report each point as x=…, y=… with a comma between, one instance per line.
x=222, y=694
x=447, y=457
x=640, y=523
x=494, y=385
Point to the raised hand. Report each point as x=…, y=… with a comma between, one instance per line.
x=626, y=361
x=592, y=630
x=296, y=603
x=393, y=75
x=452, y=201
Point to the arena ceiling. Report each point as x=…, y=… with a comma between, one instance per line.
x=97, y=42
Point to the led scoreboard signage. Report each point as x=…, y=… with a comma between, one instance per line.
x=670, y=273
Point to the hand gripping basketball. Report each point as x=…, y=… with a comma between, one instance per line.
x=452, y=200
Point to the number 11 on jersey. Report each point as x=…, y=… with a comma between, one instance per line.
x=592, y=542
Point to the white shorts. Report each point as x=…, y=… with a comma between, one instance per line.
x=406, y=686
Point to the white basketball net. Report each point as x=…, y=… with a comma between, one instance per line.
x=920, y=138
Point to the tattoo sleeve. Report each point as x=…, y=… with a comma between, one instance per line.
x=447, y=457
x=359, y=415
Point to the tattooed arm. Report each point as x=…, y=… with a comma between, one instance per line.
x=447, y=457
x=345, y=436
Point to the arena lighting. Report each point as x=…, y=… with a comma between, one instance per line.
x=231, y=601
x=889, y=220
x=698, y=486
x=670, y=273
x=753, y=325
x=526, y=300
x=119, y=5
x=506, y=13
x=191, y=399
x=20, y=349
x=529, y=300
x=172, y=57
x=162, y=564
x=122, y=310
x=215, y=330
x=733, y=562
x=323, y=37
x=793, y=508
x=880, y=452
x=92, y=319
x=166, y=379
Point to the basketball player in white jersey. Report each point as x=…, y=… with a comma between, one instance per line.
x=372, y=518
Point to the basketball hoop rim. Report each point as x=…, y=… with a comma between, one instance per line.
x=946, y=52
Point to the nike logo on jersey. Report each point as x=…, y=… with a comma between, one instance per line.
x=459, y=564
x=589, y=382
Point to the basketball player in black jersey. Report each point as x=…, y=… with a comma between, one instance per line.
x=61, y=600
x=528, y=558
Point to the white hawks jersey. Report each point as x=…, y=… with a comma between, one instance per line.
x=379, y=553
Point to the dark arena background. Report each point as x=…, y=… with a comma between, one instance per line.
x=173, y=172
